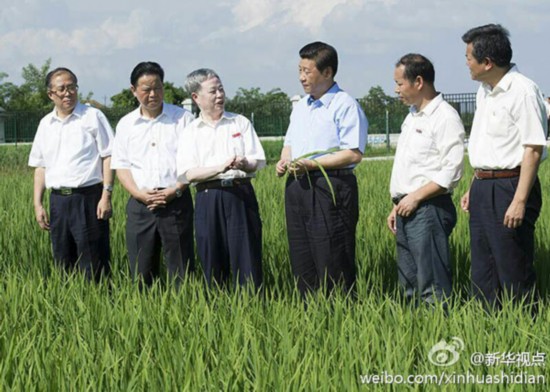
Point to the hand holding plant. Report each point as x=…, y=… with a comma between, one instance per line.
x=303, y=165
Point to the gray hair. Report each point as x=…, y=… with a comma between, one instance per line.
x=194, y=80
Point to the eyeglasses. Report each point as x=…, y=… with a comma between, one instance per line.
x=60, y=90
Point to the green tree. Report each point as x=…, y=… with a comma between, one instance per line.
x=270, y=112
x=375, y=104
x=32, y=94
x=124, y=100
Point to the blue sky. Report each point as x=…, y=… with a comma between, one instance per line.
x=255, y=43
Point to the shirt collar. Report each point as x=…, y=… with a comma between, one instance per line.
x=504, y=83
x=138, y=117
x=326, y=98
x=429, y=108
x=225, y=116
x=78, y=111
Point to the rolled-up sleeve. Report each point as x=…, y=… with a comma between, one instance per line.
x=186, y=157
x=104, y=136
x=119, y=158
x=450, y=142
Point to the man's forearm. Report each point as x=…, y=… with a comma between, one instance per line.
x=528, y=174
x=338, y=159
x=39, y=186
x=127, y=180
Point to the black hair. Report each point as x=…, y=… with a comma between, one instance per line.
x=417, y=65
x=323, y=54
x=59, y=70
x=146, y=68
x=490, y=41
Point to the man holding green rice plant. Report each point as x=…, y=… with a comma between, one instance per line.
x=72, y=153
x=427, y=167
x=321, y=198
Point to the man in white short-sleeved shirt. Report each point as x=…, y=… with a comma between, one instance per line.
x=71, y=153
x=506, y=146
x=160, y=210
x=220, y=153
x=427, y=167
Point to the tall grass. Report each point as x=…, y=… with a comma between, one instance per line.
x=63, y=333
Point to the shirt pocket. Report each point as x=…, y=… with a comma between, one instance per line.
x=80, y=140
x=419, y=147
x=499, y=123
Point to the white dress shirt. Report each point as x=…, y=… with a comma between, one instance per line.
x=430, y=149
x=508, y=117
x=147, y=147
x=205, y=145
x=71, y=149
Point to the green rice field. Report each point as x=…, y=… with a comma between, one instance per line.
x=60, y=333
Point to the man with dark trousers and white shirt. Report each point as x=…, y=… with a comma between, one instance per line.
x=427, y=167
x=72, y=153
x=506, y=146
x=160, y=210
x=220, y=154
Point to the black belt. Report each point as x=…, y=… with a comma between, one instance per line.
x=223, y=183
x=395, y=200
x=319, y=173
x=65, y=191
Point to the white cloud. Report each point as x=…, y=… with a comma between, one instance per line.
x=276, y=13
x=255, y=42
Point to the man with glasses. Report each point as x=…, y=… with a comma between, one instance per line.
x=72, y=153
x=160, y=210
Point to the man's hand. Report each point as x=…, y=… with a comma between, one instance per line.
x=239, y=163
x=104, y=208
x=160, y=198
x=465, y=201
x=282, y=167
x=297, y=168
x=392, y=220
x=42, y=217
x=514, y=215
x=407, y=206
x=227, y=165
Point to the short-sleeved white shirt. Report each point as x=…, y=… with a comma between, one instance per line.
x=508, y=117
x=147, y=147
x=71, y=149
x=430, y=149
x=204, y=145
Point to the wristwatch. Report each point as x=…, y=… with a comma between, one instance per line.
x=108, y=188
x=179, y=192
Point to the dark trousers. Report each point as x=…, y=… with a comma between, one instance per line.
x=79, y=240
x=321, y=235
x=229, y=235
x=423, y=257
x=169, y=228
x=502, y=258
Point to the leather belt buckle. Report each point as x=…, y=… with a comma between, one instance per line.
x=65, y=191
x=226, y=182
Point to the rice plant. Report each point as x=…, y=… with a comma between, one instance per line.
x=60, y=332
